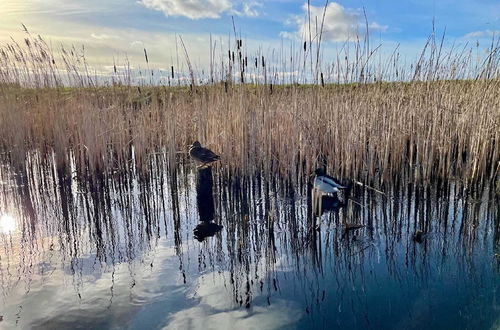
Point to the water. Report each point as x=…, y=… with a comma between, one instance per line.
x=129, y=251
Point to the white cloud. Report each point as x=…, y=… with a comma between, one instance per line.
x=197, y=9
x=482, y=34
x=103, y=36
x=193, y=9
x=250, y=9
x=288, y=35
x=136, y=43
x=377, y=27
x=340, y=24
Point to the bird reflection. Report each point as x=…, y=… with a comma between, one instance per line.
x=328, y=203
x=205, y=203
x=331, y=203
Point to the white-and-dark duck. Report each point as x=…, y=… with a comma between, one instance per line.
x=323, y=184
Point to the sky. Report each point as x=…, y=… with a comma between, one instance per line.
x=112, y=30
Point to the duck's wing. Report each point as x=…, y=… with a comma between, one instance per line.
x=334, y=182
x=207, y=155
x=325, y=185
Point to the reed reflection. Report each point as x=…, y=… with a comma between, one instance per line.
x=272, y=248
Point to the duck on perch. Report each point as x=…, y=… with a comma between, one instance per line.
x=202, y=156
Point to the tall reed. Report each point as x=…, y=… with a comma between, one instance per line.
x=437, y=118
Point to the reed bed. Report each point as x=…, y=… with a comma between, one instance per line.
x=438, y=118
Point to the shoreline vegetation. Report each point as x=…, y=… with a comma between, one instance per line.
x=436, y=119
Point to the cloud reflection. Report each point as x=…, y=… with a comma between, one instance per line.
x=8, y=224
x=216, y=310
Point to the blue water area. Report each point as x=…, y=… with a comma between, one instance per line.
x=182, y=249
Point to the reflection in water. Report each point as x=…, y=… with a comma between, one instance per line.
x=118, y=250
x=205, y=203
x=330, y=204
x=7, y=224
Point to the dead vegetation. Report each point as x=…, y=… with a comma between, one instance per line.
x=440, y=120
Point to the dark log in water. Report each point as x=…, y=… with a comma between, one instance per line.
x=205, y=203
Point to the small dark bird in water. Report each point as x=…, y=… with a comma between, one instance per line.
x=419, y=236
x=202, y=156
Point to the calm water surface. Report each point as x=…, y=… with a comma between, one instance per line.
x=176, y=250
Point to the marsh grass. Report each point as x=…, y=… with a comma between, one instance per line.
x=375, y=122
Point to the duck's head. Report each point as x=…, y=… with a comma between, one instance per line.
x=319, y=171
x=196, y=144
x=418, y=236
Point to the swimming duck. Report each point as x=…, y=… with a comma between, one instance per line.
x=203, y=157
x=419, y=236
